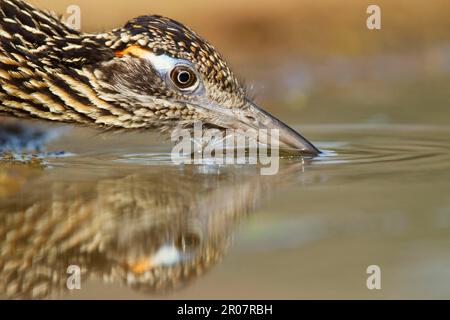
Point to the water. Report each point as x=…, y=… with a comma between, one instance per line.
x=140, y=227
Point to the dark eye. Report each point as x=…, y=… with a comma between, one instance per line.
x=183, y=77
x=188, y=241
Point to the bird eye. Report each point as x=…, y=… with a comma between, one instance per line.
x=188, y=241
x=184, y=77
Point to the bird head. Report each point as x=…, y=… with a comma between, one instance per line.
x=167, y=75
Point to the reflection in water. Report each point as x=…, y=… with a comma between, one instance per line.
x=153, y=231
x=126, y=215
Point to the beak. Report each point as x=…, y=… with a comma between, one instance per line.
x=290, y=141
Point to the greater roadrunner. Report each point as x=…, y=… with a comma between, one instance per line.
x=152, y=73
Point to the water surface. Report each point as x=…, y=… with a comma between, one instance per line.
x=140, y=227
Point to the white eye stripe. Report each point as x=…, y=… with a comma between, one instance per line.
x=162, y=63
x=166, y=256
x=165, y=65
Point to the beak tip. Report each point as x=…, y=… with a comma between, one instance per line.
x=289, y=139
x=295, y=142
x=308, y=151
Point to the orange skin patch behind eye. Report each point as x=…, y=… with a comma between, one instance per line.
x=135, y=51
x=139, y=267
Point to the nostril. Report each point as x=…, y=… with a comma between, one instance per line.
x=251, y=118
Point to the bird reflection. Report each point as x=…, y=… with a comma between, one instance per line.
x=155, y=231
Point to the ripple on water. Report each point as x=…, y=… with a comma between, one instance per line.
x=367, y=149
x=385, y=148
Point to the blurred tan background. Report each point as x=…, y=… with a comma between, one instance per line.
x=316, y=61
x=262, y=29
